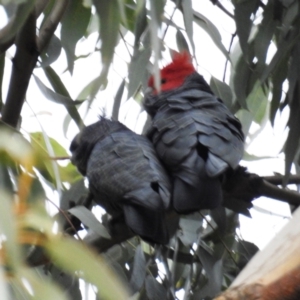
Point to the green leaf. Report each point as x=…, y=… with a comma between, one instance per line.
x=221, y=90
x=137, y=69
x=117, y=101
x=257, y=103
x=109, y=14
x=188, y=20
x=241, y=77
x=16, y=21
x=154, y=289
x=128, y=19
x=55, y=97
x=5, y=180
x=265, y=32
x=156, y=14
x=250, y=157
x=242, y=13
x=212, y=31
x=138, y=274
x=52, y=52
x=292, y=142
x=44, y=147
x=9, y=231
x=181, y=42
x=41, y=288
x=59, y=88
x=213, y=268
x=73, y=256
x=278, y=77
x=140, y=23
x=89, y=220
x=2, y=65
x=283, y=49
x=73, y=27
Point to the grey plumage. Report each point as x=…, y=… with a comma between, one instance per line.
x=197, y=138
x=125, y=176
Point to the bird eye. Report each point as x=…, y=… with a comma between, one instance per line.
x=163, y=81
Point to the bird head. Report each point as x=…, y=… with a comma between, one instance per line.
x=174, y=74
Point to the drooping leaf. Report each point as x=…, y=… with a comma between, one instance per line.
x=221, y=90
x=117, y=101
x=188, y=21
x=156, y=13
x=8, y=229
x=140, y=23
x=60, y=88
x=137, y=69
x=55, y=97
x=70, y=284
x=213, y=268
x=283, y=49
x=292, y=142
x=2, y=65
x=73, y=27
x=181, y=42
x=242, y=13
x=278, y=78
x=88, y=219
x=138, y=274
x=154, y=289
x=73, y=256
x=212, y=31
x=16, y=22
x=109, y=14
x=241, y=78
x=52, y=52
x=265, y=32
x=128, y=14
x=257, y=103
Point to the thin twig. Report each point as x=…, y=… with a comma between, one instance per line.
x=59, y=157
x=218, y=4
x=229, y=49
x=125, y=43
x=66, y=217
x=224, y=244
x=170, y=20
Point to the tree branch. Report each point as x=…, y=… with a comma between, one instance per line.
x=48, y=28
x=278, y=179
x=7, y=37
x=23, y=65
x=26, y=57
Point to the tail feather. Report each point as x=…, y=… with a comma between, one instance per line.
x=207, y=194
x=149, y=225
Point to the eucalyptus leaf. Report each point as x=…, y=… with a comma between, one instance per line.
x=137, y=69
x=154, y=289
x=117, y=101
x=52, y=96
x=181, y=42
x=73, y=27
x=138, y=274
x=73, y=256
x=52, y=52
x=221, y=90
x=212, y=31
x=88, y=219
x=188, y=21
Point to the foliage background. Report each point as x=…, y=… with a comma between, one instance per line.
x=258, y=80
